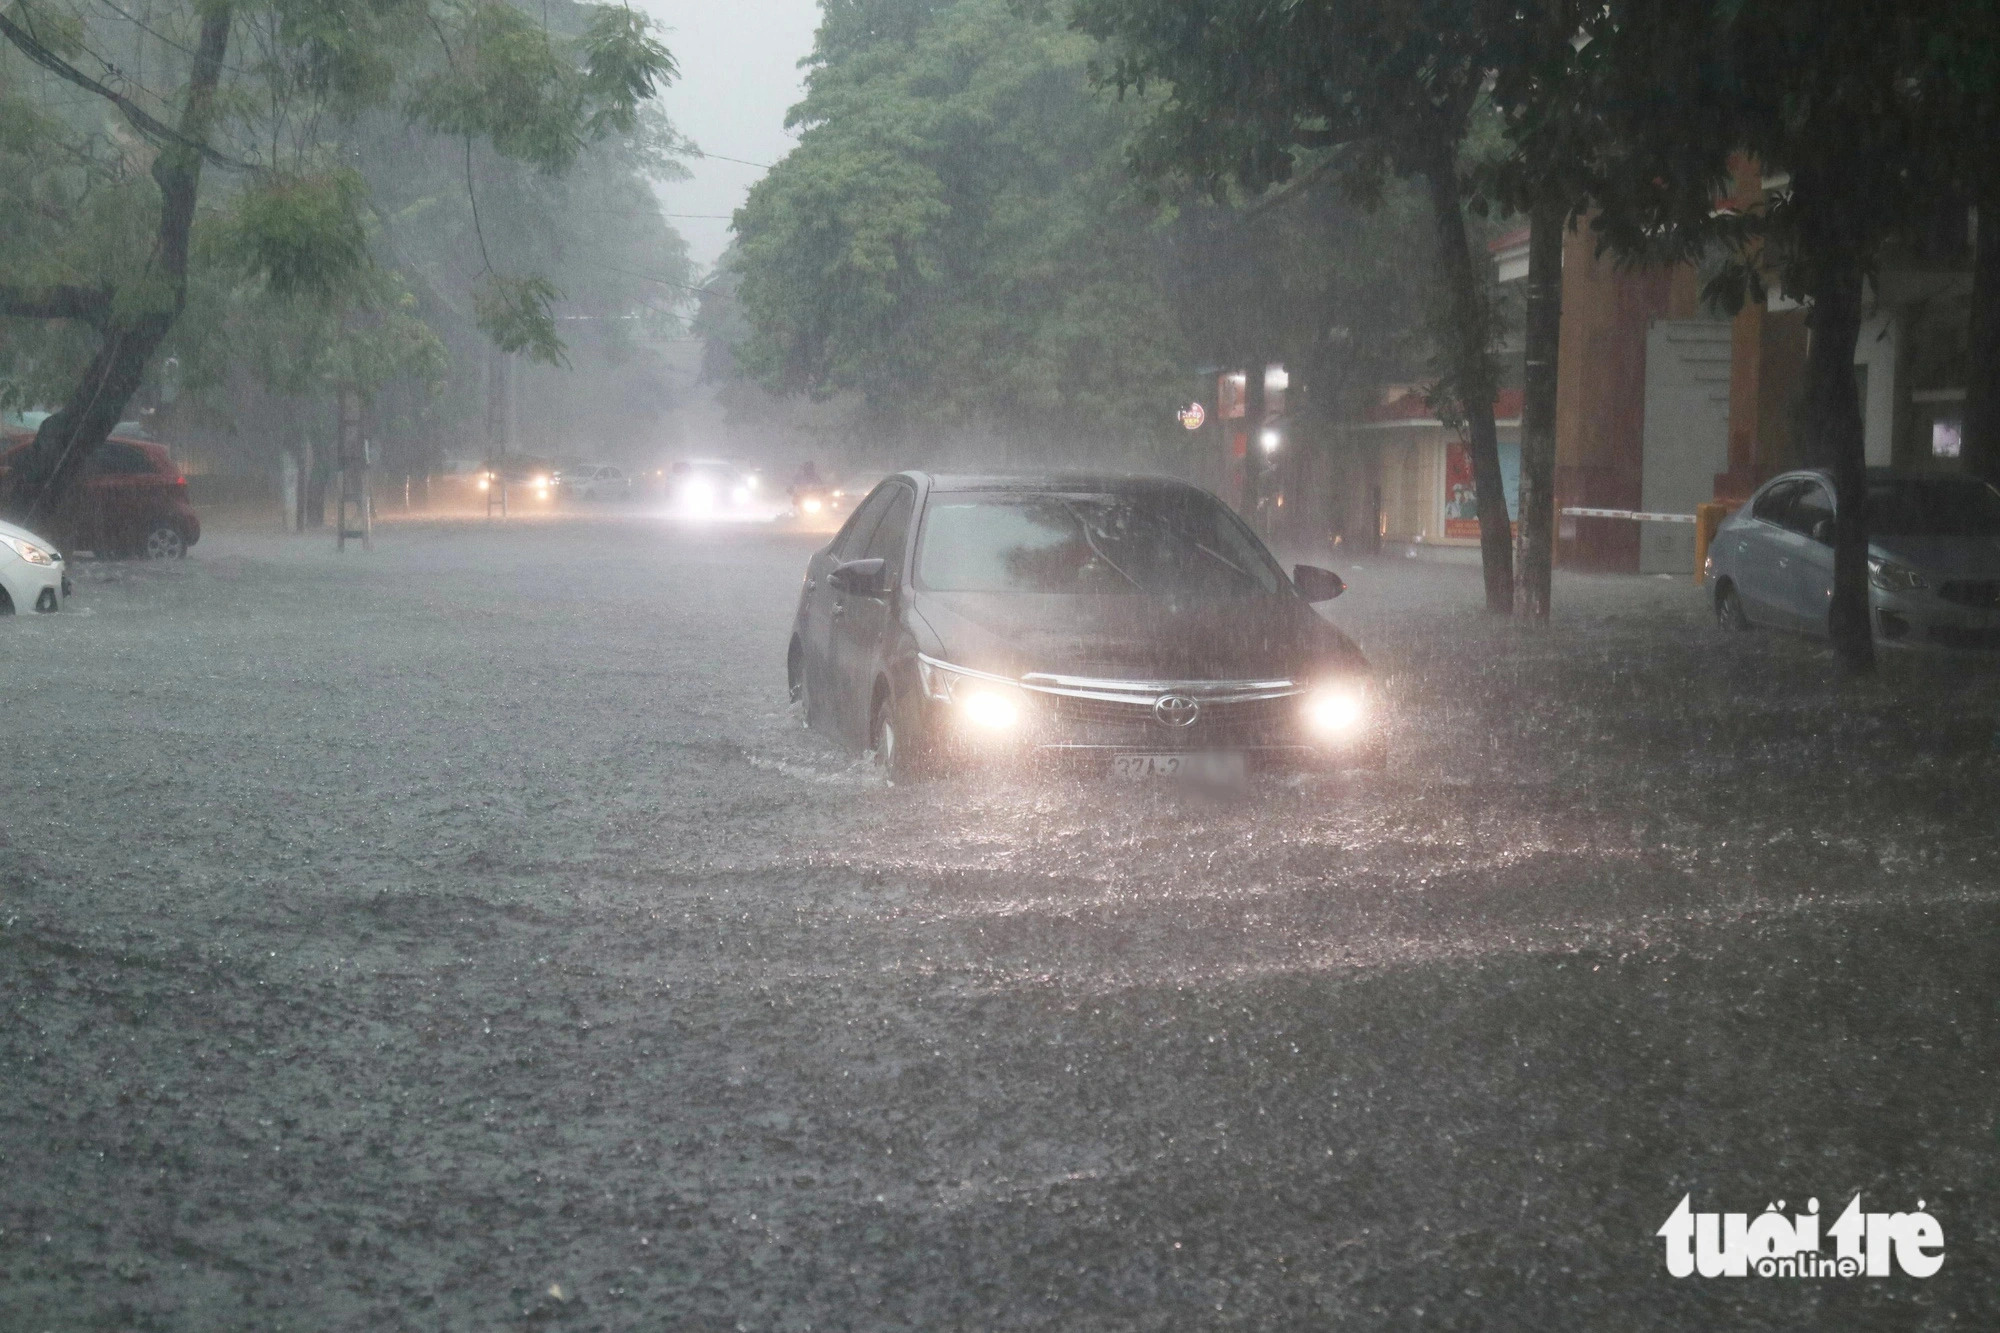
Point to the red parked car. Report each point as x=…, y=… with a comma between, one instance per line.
x=133, y=501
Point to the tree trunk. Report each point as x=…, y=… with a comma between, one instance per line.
x=1467, y=334
x=66, y=441
x=1981, y=441
x=1834, y=433
x=1543, y=329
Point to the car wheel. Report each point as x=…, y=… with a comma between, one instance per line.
x=164, y=542
x=894, y=739
x=795, y=682
x=6, y=603
x=1729, y=608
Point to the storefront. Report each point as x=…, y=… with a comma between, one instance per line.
x=1428, y=498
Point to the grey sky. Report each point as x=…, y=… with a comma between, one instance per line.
x=739, y=75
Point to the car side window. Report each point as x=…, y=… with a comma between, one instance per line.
x=1812, y=508
x=853, y=538
x=892, y=536
x=1773, y=505
x=122, y=459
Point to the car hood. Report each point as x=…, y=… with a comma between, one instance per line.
x=22, y=534
x=1134, y=638
x=1946, y=557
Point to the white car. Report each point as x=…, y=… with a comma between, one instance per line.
x=32, y=574
x=595, y=481
x=1933, y=558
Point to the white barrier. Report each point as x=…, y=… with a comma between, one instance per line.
x=1641, y=516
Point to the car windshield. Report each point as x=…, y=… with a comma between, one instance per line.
x=1091, y=544
x=1933, y=507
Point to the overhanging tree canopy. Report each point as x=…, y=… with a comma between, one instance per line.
x=267, y=91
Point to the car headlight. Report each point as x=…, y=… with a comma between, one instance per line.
x=987, y=709
x=1336, y=710
x=812, y=506
x=28, y=551
x=986, y=702
x=1892, y=577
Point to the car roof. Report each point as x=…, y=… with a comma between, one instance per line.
x=16, y=440
x=1873, y=473
x=1067, y=482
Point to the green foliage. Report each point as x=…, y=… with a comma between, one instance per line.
x=349, y=251
x=623, y=67
x=515, y=314
x=302, y=235
x=953, y=238
x=536, y=97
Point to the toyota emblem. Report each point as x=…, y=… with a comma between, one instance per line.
x=1176, y=710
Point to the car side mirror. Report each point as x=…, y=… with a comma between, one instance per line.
x=863, y=578
x=1822, y=532
x=1316, y=584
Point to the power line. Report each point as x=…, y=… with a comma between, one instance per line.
x=665, y=282
x=741, y=162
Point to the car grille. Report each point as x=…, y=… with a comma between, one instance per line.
x=1972, y=592
x=1221, y=722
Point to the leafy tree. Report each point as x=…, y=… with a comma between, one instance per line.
x=1249, y=91
x=271, y=92
x=954, y=239
x=1547, y=90
x=1828, y=103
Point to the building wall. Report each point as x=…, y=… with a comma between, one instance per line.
x=1686, y=434
x=1601, y=394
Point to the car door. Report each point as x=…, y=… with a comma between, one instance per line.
x=1809, y=524
x=1762, y=555
x=862, y=621
x=817, y=614
x=116, y=494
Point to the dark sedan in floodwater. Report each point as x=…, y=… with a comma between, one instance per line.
x=1133, y=624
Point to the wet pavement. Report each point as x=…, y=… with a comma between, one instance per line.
x=466, y=936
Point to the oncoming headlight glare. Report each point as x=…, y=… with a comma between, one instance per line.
x=811, y=506
x=1336, y=710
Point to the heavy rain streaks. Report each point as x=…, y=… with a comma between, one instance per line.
x=526, y=941
x=1107, y=666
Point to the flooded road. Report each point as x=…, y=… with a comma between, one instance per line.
x=467, y=936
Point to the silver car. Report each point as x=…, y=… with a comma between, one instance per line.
x=1933, y=558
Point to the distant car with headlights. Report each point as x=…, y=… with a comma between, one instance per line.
x=1132, y=625
x=520, y=478
x=1933, y=558
x=33, y=576
x=714, y=487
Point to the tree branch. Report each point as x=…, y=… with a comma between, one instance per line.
x=156, y=130
x=90, y=304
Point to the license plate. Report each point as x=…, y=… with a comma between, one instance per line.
x=1198, y=765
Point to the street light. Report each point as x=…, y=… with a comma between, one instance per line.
x=1270, y=439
